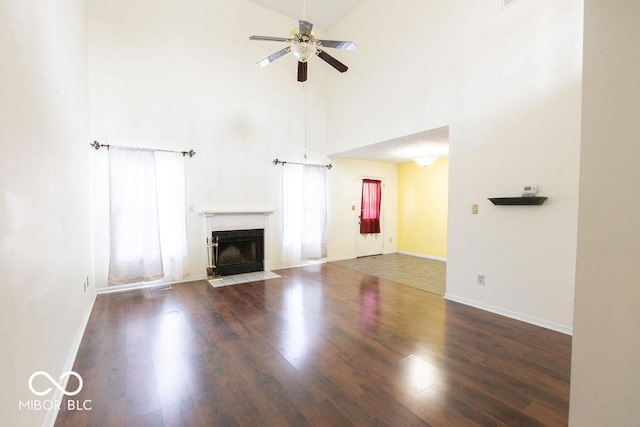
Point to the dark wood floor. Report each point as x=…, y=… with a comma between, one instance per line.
x=322, y=345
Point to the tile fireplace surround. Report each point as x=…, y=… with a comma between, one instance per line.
x=229, y=220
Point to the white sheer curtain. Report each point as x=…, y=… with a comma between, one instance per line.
x=147, y=215
x=304, y=213
x=135, y=238
x=170, y=187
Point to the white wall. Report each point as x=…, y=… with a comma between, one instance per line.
x=508, y=83
x=182, y=76
x=605, y=375
x=45, y=247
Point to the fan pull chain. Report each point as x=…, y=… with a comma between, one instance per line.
x=304, y=88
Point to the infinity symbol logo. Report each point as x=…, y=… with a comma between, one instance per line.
x=55, y=383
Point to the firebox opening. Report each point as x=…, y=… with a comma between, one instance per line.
x=239, y=251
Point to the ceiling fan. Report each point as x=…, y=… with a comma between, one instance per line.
x=303, y=43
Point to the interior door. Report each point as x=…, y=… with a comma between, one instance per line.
x=370, y=243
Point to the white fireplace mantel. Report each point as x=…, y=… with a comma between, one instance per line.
x=235, y=219
x=236, y=212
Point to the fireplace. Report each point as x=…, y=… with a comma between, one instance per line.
x=249, y=223
x=238, y=251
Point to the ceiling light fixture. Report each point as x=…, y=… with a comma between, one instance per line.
x=424, y=161
x=303, y=50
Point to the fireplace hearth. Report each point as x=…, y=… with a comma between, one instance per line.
x=238, y=251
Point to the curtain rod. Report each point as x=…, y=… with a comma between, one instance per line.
x=276, y=162
x=98, y=146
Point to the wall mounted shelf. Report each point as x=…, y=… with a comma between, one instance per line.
x=517, y=201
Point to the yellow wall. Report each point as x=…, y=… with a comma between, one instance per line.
x=422, y=208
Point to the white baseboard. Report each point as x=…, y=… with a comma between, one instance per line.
x=342, y=258
x=315, y=262
x=345, y=258
x=52, y=414
x=134, y=286
x=437, y=258
x=567, y=330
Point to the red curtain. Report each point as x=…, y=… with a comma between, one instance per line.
x=370, y=206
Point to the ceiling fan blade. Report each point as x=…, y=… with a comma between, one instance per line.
x=269, y=59
x=338, y=44
x=332, y=61
x=270, y=39
x=305, y=27
x=302, y=71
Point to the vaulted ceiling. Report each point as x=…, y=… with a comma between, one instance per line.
x=322, y=13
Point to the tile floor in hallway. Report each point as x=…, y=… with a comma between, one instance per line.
x=422, y=273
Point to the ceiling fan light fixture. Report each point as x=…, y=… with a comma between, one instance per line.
x=303, y=50
x=303, y=43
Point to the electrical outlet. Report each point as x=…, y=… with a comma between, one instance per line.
x=481, y=279
x=86, y=284
x=474, y=209
x=390, y=240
